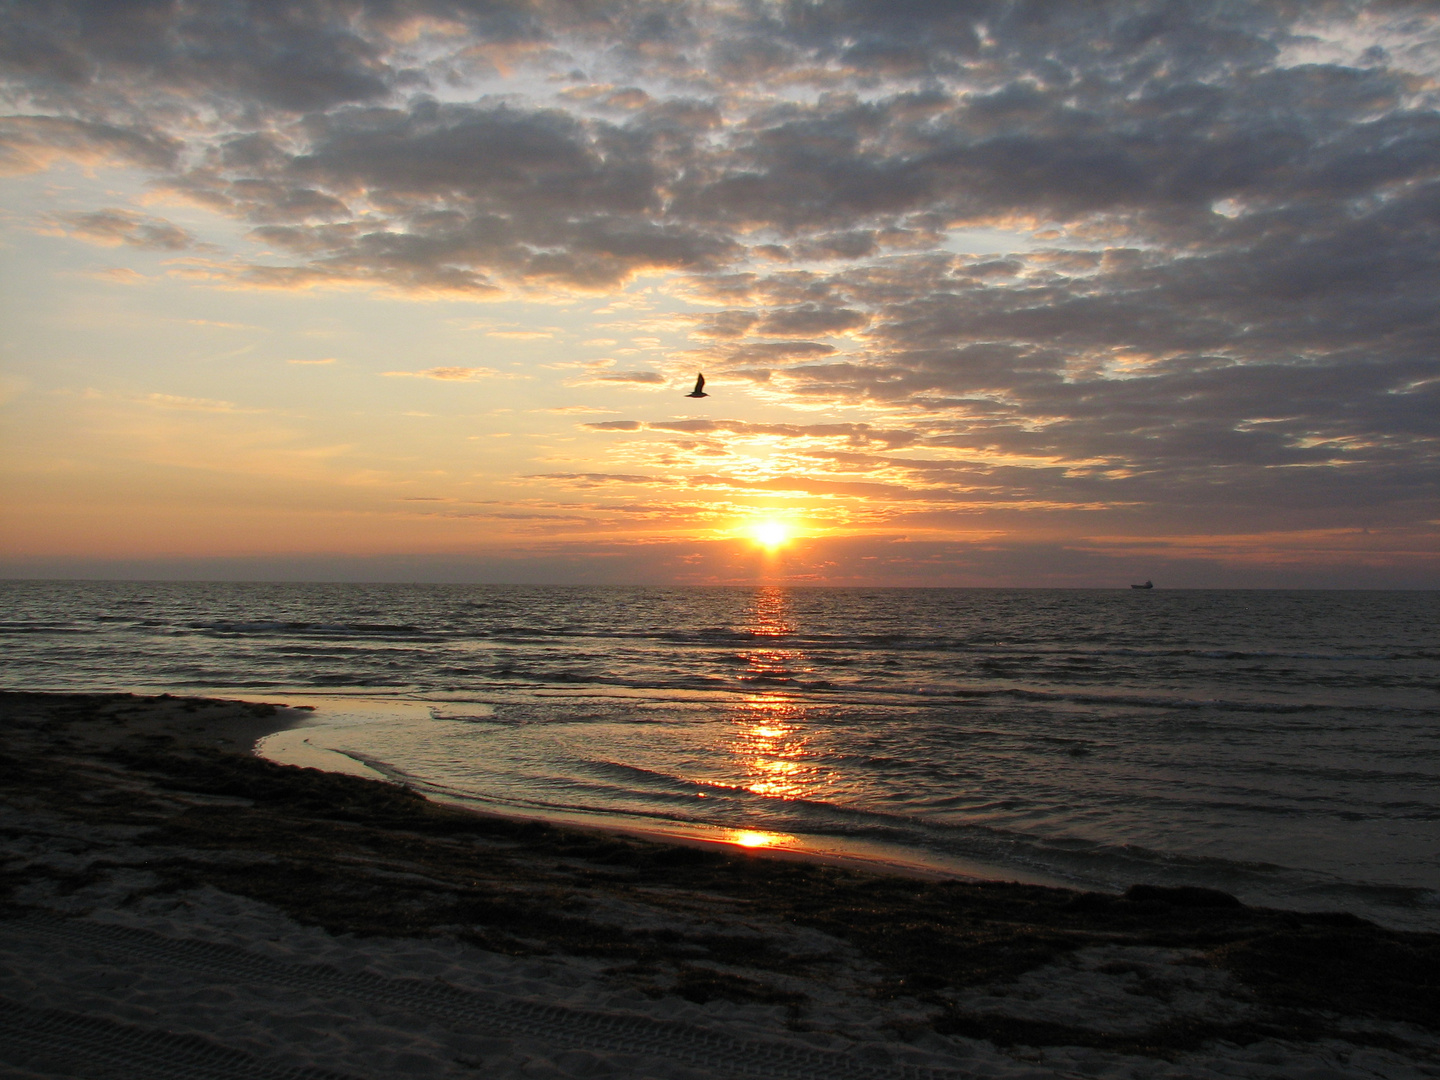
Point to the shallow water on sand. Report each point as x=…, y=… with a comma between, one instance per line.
x=1284, y=746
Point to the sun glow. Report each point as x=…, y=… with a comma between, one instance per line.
x=770, y=534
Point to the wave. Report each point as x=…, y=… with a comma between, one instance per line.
x=271, y=626
x=1085, y=863
x=41, y=628
x=835, y=648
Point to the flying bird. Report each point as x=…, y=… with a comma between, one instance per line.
x=699, y=390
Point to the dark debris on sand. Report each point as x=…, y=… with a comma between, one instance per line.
x=363, y=857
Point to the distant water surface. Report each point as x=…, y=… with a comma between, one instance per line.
x=1284, y=746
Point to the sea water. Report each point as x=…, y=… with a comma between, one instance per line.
x=1283, y=746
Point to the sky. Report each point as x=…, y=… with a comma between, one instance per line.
x=1010, y=294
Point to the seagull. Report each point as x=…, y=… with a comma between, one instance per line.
x=699, y=390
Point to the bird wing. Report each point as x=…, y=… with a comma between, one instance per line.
x=699, y=382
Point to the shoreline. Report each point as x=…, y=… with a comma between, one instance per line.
x=244, y=731
x=874, y=858
x=146, y=816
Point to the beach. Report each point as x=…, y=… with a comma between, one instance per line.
x=175, y=906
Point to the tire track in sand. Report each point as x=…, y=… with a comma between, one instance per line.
x=557, y=1025
x=70, y=1044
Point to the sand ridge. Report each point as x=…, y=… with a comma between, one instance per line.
x=162, y=885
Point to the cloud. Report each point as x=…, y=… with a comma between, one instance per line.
x=593, y=480
x=61, y=52
x=117, y=275
x=193, y=404
x=810, y=320
x=32, y=143
x=113, y=227
x=851, y=434
x=725, y=324
x=766, y=353
x=471, y=194
x=447, y=374
x=647, y=378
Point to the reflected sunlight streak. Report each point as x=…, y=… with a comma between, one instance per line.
x=748, y=838
x=774, y=755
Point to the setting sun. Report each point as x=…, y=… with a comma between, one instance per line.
x=770, y=534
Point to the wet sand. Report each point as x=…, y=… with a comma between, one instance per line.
x=317, y=744
x=171, y=897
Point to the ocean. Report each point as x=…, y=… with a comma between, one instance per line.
x=1282, y=746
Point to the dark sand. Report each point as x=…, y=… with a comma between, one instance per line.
x=1036, y=975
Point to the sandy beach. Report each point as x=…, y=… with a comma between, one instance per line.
x=176, y=907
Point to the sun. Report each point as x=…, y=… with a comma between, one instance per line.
x=770, y=534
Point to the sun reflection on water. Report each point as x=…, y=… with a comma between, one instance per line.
x=772, y=751
x=771, y=615
x=771, y=735
x=754, y=839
